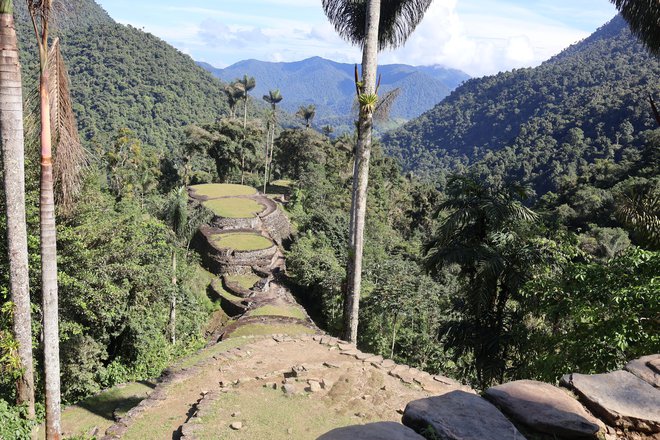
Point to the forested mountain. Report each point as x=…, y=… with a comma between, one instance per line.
x=122, y=77
x=542, y=125
x=421, y=87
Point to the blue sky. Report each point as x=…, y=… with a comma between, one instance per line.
x=478, y=36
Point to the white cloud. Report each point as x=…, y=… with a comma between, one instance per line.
x=484, y=39
x=477, y=36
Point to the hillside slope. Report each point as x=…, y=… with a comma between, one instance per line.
x=122, y=77
x=589, y=102
x=421, y=87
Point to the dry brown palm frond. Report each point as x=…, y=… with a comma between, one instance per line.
x=69, y=155
x=384, y=106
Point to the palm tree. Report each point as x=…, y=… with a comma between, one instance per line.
x=274, y=97
x=176, y=216
x=234, y=93
x=307, y=114
x=247, y=83
x=485, y=235
x=40, y=11
x=374, y=26
x=11, y=132
x=643, y=17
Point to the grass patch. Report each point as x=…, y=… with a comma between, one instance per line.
x=234, y=207
x=242, y=241
x=97, y=411
x=291, y=312
x=214, y=190
x=271, y=329
x=268, y=414
x=246, y=281
x=162, y=421
x=208, y=353
x=217, y=288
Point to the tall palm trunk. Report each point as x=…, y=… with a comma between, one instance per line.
x=49, y=270
x=362, y=156
x=268, y=137
x=244, y=138
x=11, y=130
x=173, y=301
x=40, y=12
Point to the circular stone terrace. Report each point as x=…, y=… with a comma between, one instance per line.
x=227, y=200
x=240, y=241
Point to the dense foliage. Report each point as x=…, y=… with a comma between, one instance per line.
x=541, y=125
x=123, y=77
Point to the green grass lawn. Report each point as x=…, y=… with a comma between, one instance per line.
x=246, y=281
x=97, y=411
x=234, y=207
x=217, y=288
x=214, y=190
x=271, y=329
x=269, y=414
x=241, y=241
x=292, y=312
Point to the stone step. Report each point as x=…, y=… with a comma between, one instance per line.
x=458, y=415
x=619, y=398
x=545, y=408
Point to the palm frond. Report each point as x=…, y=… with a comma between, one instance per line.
x=643, y=17
x=70, y=158
x=384, y=106
x=398, y=19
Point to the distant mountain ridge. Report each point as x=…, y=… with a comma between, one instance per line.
x=331, y=87
x=542, y=125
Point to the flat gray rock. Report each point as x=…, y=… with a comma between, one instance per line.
x=372, y=431
x=620, y=398
x=458, y=415
x=543, y=407
x=645, y=369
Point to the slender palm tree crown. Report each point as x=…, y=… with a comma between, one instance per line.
x=643, y=16
x=398, y=19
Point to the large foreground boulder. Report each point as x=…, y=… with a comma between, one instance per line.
x=458, y=415
x=646, y=368
x=545, y=408
x=372, y=431
x=620, y=398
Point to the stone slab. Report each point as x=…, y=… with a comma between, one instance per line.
x=645, y=369
x=372, y=431
x=545, y=408
x=458, y=415
x=619, y=398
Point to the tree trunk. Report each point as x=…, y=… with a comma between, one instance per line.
x=173, y=301
x=49, y=271
x=272, y=147
x=363, y=154
x=266, y=158
x=243, y=143
x=48, y=251
x=11, y=130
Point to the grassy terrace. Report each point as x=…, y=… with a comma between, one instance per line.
x=269, y=414
x=215, y=190
x=245, y=281
x=271, y=329
x=97, y=411
x=234, y=207
x=291, y=312
x=241, y=241
x=220, y=291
